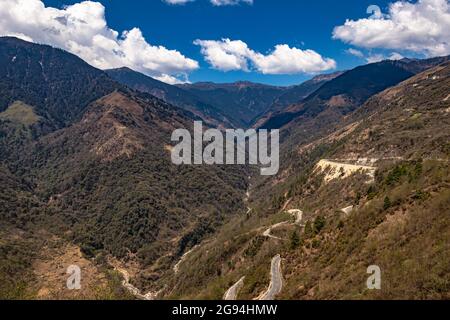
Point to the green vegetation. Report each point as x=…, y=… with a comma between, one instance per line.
x=104, y=185
x=371, y=235
x=295, y=240
x=399, y=222
x=16, y=279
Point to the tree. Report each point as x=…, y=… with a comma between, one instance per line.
x=319, y=224
x=387, y=203
x=308, y=229
x=295, y=240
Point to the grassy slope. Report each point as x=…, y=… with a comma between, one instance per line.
x=20, y=113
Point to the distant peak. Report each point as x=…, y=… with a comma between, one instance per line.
x=408, y=60
x=245, y=83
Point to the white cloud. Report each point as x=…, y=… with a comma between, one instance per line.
x=230, y=2
x=355, y=52
x=395, y=56
x=422, y=27
x=228, y=55
x=177, y=1
x=375, y=58
x=225, y=55
x=173, y=80
x=213, y=2
x=82, y=29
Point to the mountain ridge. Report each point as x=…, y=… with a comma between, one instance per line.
x=352, y=88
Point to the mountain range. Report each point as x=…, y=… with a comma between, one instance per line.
x=87, y=179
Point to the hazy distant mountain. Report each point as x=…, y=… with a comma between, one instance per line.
x=171, y=94
x=242, y=102
x=237, y=104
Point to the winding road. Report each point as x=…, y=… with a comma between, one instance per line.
x=347, y=210
x=298, y=214
x=276, y=282
x=133, y=290
x=232, y=293
x=176, y=268
x=267, y=233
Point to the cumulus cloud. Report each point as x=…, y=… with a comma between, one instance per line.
x=82, y=29
x=228, y=55
x=422, y=27
x=225, y=55
x=214, y=2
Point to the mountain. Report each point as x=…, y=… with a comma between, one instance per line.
x=242, y=102
x=98, y=187
x=223, y=105
x=373, y=193
x=171, y=94
x=111, y=176
x=295, y=94
x=350, y=90
x=57, y=84
x=87, y=180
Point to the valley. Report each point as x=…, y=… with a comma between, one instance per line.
x=87, y=179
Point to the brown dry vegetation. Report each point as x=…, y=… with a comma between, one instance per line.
x=400, y=222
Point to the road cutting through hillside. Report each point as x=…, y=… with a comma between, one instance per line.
x=176, y=267
x=267, y=233
x=276, y=282
x=232, y=293
x=298, y=214
x=133, y=290
x=340, y=170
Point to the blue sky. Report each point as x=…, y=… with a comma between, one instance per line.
x=261, y=26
